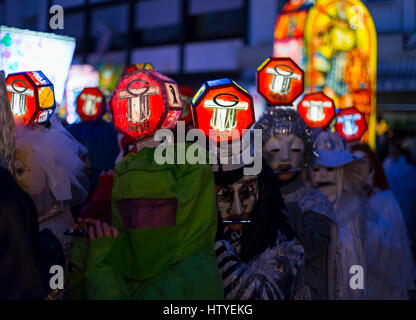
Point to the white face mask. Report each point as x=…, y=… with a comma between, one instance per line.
x=365, y=168
x=325, y=179
x=283, y=153
x=237, y=201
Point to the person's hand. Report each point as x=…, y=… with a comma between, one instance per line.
x=97, y=229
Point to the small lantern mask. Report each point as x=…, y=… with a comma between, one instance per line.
x=350, y=124
x=280, y=81
x=90, y=104
x=143, y=102
x=31, y=97
x=222, y=110
x=316, y=109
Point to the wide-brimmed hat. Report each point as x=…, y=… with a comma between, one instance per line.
x=332, y=151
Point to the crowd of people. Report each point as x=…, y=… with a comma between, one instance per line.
x=323, y=220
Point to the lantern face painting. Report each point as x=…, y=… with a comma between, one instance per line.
x=222, y=110
x=90, y=104
x=31, y=97
x=341, y=55
x=138, y=66
x=280, y=81
x=350, y=124
x=316, y=109
x=143, y=102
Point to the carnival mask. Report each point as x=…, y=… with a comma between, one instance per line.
x=29, y=173
x=236, y=202
x=284, y=154
x=325, y=179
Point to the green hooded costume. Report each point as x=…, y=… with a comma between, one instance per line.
x=167, y=219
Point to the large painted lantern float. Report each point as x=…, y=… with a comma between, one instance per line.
x=335, y=42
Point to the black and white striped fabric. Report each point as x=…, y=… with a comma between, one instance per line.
x=273, y=275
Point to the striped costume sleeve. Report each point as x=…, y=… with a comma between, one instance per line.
x=273, y=275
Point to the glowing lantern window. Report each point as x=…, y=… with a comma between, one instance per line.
x=143, y=102
x=350, y=124
x=90, y=104
x=138, y=66
x=280, y=81
x=222, y=110
x=31, y=97
x=316, y=109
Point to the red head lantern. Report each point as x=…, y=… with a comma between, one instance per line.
x=143, y=102
x=90, y=104
x=222, y=110
x=31, y=97
x=186, y=94
x=350, y=124
x=280, y=81
x=138, y=66
x=316, y=109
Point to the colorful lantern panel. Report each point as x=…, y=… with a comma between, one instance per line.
x=341, y=46
x=289, y=31
x=143, y=102
x=316, y=109
x=31, y=97
x=350, y=124
x=280, y=81
x=138, y=66
x=222, y=110
x=90, y=104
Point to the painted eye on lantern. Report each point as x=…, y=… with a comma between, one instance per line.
x=315, y=169
x=329, y=169
x=275, y=150
x=296, y=150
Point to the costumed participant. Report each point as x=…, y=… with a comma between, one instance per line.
x=165, y=213
x=97, y=135
x=401, y=176
x=50, y=170
x=338, y=174
x=388, y=244
x=257, y=252
x=20, y=275
x=288, y=149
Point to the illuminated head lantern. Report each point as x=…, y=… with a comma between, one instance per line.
x=143, y=102
x=350, y=124
x=90, y=104
x=222, y=110
x=316, y=109
x=31, y=97
x=280, y=81
x=287, y=142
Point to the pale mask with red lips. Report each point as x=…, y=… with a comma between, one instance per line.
x=284, y=153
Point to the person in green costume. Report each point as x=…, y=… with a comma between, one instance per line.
x=166, y=219
x=161, y=242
